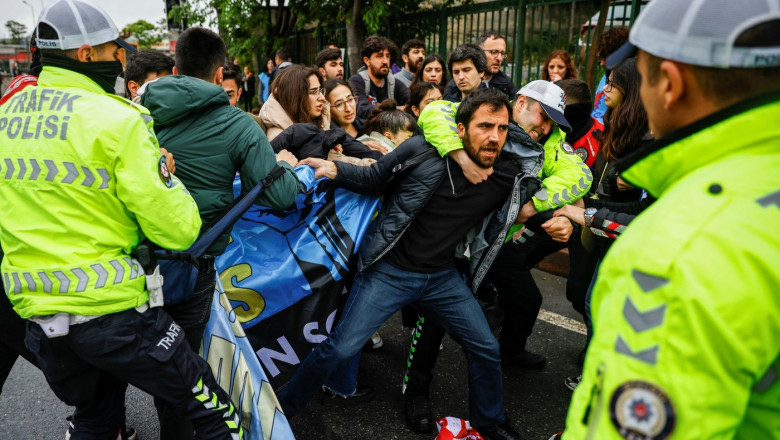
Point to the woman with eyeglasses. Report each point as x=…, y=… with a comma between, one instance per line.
x=558, y=66
x=343, y=106
x=297, y=96
x=433, y=69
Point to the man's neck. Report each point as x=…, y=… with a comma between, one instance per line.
x=487, y=76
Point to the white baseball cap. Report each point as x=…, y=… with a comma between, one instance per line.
x=78, y=22
x=551, y=97
x=701, y=33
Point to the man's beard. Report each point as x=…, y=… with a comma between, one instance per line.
x=415, y=66
x=473, y=153
x=378, y=72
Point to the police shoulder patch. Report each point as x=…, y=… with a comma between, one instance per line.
x=567, y=148
x=165, y=174
x=582, y=153
x=642, y=411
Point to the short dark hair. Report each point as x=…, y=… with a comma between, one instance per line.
x=611, y=40
x=489, y=96
x=374, y=44
x=489, y=34
x=145, y=62
x=326, y=55
x=199, y=53
x=576, y=90
x=231, y=72
x=412, y=44
x=282, y=54
x=468, y=52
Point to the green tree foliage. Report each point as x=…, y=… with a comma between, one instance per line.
x=250, y=27
x=16, y=30
x=146, y=33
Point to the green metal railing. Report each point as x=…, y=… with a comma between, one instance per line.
x=532, y=29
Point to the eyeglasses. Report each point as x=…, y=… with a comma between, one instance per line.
x=339, y=105
x=497, y=53
x=608, y=86
x=315, y=92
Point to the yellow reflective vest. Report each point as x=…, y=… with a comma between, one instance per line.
x=686, y=307
x=81, y=180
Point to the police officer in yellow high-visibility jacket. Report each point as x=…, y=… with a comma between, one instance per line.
x=82, y=179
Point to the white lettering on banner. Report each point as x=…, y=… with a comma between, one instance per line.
x=220, y=357
x=311, y=326
x=266, y=356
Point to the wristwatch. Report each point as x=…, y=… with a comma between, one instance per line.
x=589, y=213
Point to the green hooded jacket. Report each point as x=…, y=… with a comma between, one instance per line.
x=211, y=141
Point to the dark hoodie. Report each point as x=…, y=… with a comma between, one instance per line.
x=211, y=141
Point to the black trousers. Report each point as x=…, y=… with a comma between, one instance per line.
x=192, y=315
x=89, y=368
x=518, y=295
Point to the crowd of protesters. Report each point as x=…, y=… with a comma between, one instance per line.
x=664, y=190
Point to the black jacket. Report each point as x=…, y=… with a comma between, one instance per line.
x=414, y=189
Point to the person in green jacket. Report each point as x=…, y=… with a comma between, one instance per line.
x=686, y=307
x=211, y=141
x=85, y=181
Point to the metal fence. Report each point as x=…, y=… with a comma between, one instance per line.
x=532, y=29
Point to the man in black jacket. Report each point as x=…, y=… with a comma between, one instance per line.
x=408, y=254
x=494, y=46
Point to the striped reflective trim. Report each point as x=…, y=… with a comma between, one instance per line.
x=46, y=281
x=35, y=169
x=771, y=199
x=102, y=275
x=17, y=284
x=73, y=172
x=648, y=282
x=31, y=284
x=649, y=356
x=62, y=282
x=147, y=119
x=557, y=199
x=565, y=195
x=641, y=321
x=63, y=279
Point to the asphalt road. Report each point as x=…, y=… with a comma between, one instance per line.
x=536, y=401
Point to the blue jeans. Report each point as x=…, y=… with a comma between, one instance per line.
x=379, y=292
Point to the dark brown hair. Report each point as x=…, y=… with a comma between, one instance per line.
x=291, y=89
x=428, y=60
x=387, y=117
x=571, y=72
x=626, y=125
x=417, y=92
x=611, y=40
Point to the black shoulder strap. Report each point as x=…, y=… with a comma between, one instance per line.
x=212, y=231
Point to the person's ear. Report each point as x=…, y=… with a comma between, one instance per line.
x=133, y=87
x=416, y=111
x=175, y=71
x=672, y=84
x=218, y=76
x=461, y=130
x=520, y=102
x=405, y=58
x=86, y=53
